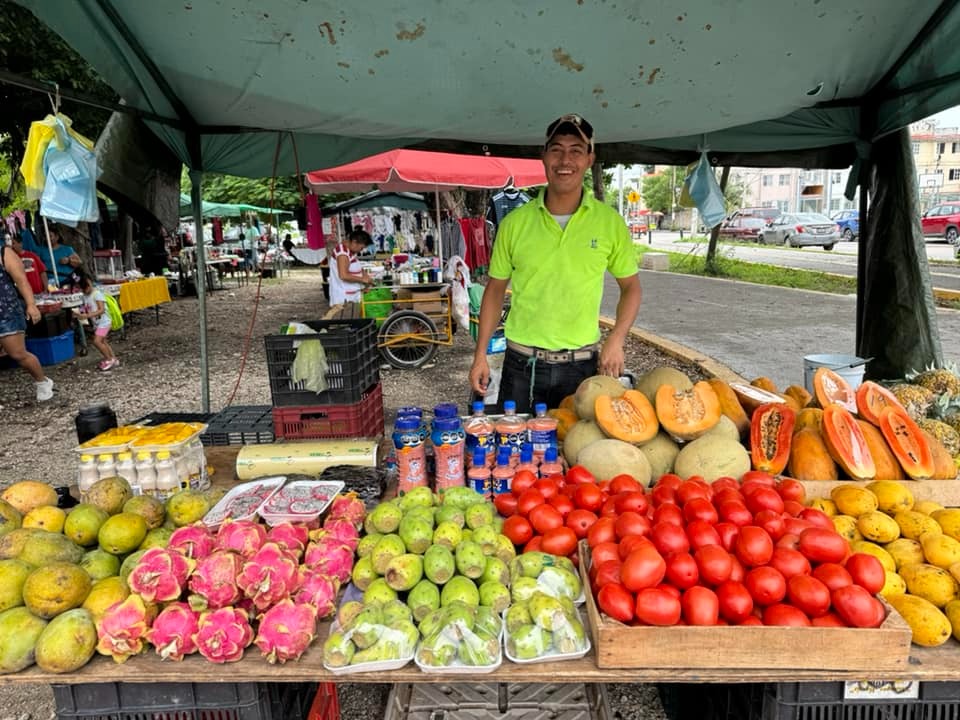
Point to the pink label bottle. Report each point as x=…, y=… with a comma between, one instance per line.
x=541, y=431
x=503, y=472
x=526, y=459
x=478, y=476
x=550, y=467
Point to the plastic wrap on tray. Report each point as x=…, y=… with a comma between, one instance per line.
x=544, y=628
x=369, y=637
x=300, y=501
x=460, y=638
x=550, y=574
x=243, y=501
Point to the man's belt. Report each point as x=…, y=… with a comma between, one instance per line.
x=587, y=352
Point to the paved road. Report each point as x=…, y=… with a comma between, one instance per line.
x=755, y=329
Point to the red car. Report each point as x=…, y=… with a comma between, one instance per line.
x=743, y=227
x=942, y=221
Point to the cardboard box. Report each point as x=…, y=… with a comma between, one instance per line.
x=756, y=647
x=429, y=302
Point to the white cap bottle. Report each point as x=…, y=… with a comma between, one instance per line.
x=168, y=483
x=146, y=473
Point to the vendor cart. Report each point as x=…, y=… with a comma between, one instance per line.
x=416, y=320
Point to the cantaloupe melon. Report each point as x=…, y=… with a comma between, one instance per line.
x=661, y=452
x=578, y=437
x=712, y=457
x=585, y=398
x=607, y=458
x=650, y=381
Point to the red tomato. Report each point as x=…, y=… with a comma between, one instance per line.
x=795, y=526
x=724, y=483
x=781, y=614
x=657, y=607
x=728, y=533
x=604, y=486
x=518, y=529
x=752, y=620
x=858, y=607
x=528, y=500
x=764, y=498
x=547, y=486
x=616, y=601
x=759, y=476
x=832, y=575
x=602, y=531
x=737, y=573
x=669, y=538
x=866, y=571
x=559, y=541
x=831, y=619
x=625, y=483
x=748, y=488
x=766, y=585
x=534, y=544
x=670, y=480
x=772, y=522
x=809, y=594
x=506, y=504
x=545, y=517
x=663, y=495
x=701, y=534
x=754, y=546
x=789, y=562
x=580, y=521
x=821, y=545
x=727, y=495
x=579, y=474
x=604, y=552
x=735, y=602
x=792, y=507
x=631, y=500
x=682, y=570
x=714, y=563
x=522, y=480
x=791, y=489
x=668, y=513
x=608, y=572
x=698, y=508
x=700, y=606
x=589, y=497
x=609, y=506
x=817, y=518
x=562, y=503
x=789, y=541
x=690, y=489
x=643, y=568
x=631, y=543
x=631, y=523
x=735, y=512
x=670, y=589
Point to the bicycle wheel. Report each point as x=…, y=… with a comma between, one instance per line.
x=406, y=339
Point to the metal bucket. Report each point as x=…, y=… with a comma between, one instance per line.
x=840, y=364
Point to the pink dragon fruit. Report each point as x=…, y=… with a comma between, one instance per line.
x=332, y=557
x=269, y=576
x=193, y=541
x=345, y=530
x=173, y=630
x=286, y=630
x=223, y=634
x=241, y=536
x=214, y=582
x=160, y=575
x=349, y=507
x=320, y=591
x=292, y=538
x=122, y=629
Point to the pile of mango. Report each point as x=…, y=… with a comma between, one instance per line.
x=918, y=543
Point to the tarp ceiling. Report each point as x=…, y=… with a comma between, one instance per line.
x=378, y=199
x=760, y=83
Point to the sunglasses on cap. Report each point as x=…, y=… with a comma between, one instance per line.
x=578, y=125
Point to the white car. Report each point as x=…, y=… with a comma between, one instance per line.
x=801, y=229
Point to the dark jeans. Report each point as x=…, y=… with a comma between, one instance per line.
x=551, y=381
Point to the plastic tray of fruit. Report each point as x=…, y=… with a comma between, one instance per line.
x=551, y=574
x=300, y=501
x=543, y=629
x=167, y=436
x=243, y=501
x=464, y=640
x=387, y=641
x=113, y=440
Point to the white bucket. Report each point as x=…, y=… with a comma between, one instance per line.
x=838, y=363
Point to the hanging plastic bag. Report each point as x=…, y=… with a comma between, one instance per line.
x=702, y=187
x=70, y=191
x=458, y=274
x=38, y=140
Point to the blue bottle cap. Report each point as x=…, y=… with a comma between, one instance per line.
x=509, y=406
x=503, y=456
x=526, y=453
x=479, y=456
x=540, y=408
x=410, y=411
x=446, y=423
x=477, y=406
x=445, y=410
x=550, y=454
x=406, y=423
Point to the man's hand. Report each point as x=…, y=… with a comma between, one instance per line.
x=611, y=359
x=480, y=375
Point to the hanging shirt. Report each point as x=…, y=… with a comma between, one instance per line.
x=503, y=202
x=342, y=291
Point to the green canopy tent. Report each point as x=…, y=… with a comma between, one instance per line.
x=758, y=83
x=214, y=209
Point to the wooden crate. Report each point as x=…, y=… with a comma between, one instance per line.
x=754, y=647
x=945, y=492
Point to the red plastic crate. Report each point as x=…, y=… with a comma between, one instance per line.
x=326, y=705
x=317, y=422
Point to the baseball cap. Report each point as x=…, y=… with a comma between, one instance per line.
x=570, y=124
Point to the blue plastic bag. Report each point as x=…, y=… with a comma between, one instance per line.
x=70, y=192
x=702, y=187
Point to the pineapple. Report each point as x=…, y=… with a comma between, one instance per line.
x=953, y=420
x=947, y=436
x=915, y=399
x=939, y=381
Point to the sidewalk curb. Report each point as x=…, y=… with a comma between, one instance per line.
x=711, y=367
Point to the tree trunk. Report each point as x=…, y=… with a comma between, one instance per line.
x=711, y=261
x=598, y=181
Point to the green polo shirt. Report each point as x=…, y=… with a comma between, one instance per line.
x=557, y=275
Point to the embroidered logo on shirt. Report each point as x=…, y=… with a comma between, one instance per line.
x=593, y=244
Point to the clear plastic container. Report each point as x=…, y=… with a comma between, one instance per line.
x=478, y=476
x=511, y=431
x=550, y=467
x=502, y=476
x=168, y=483
x=87, y=474
x=541, y=431
x=243, y=501
x=106, y=466
x=480, y=433
x=198, y=479
x=300, y=501
x=126, y=468
x=527, y=461
x=146, y=473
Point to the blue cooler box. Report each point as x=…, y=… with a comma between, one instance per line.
x=52, y=350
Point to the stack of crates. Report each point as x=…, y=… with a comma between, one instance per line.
x=240, y=425
x=498, y=701
x=352, y=404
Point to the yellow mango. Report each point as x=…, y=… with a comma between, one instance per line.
x=853, y=500
x=892, y=496
x=46, y=517
x=865, y=546
x=927, y=507
x=949, y=521
x=824, y=505
x=929, y=626
x=878, y=527
x=952, y=611
x=940, y=550
x=913, y=524
x=847, y=526
x=929, y=582
x=893, y=585
x=905, y=551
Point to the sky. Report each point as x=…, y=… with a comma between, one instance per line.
x=948, y=118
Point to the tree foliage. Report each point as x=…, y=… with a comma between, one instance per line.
x=250, y=191
x=661, y=191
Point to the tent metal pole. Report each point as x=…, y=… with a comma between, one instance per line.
x=200, y=280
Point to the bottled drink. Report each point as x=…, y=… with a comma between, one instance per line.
x=541, y=431
x=146, y=474
x=198, y=466
x=503, y=473
x=478, y=476
x=511, y=431
x=87, y=474
x=526, y=459
x=448, y=445
x=128, y=471
x=480, y=433
x=167, y=481
x=106, y=466
x=445, y=410
x=411, y=454
x=550, y=467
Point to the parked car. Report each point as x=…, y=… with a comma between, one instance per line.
x=801, y=229
x=767, y=213
x=942, y=221
x=745, y=228
x=849, y=223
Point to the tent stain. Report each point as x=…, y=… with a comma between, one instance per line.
x=343, y=64
x=653, y=75
x=326, y=28
x=381, y=53
x=604, y=104
x=371, y=71
x=411, y=35
x=561, y=57
x=708, y=27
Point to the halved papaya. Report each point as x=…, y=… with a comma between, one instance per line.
x=730, y=405
x=630, y=417
x=771, y=432
x=871, y=399
x=907, y=442
x=752, y=397
x=687, y=414
x=829, y=387
x=886, y=463
x=809, y=457
x=846, y=443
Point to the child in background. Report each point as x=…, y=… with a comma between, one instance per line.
x=94, y=309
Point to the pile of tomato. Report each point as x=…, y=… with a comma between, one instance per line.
x=689, y=552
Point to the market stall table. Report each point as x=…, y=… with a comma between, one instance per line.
x=145, y=293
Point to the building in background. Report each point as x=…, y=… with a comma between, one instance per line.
x=936, y=154
x=796, y=190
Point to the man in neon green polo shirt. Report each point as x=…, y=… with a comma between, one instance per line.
x=555, y=251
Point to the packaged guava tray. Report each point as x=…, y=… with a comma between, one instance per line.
x=375, y=666
x=243, y=501
x=300, y=501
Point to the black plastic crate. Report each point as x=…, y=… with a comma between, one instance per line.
x=240, y=425
x=353, y=363
x=159, y=418
x=51, y=324
x=184, y=701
